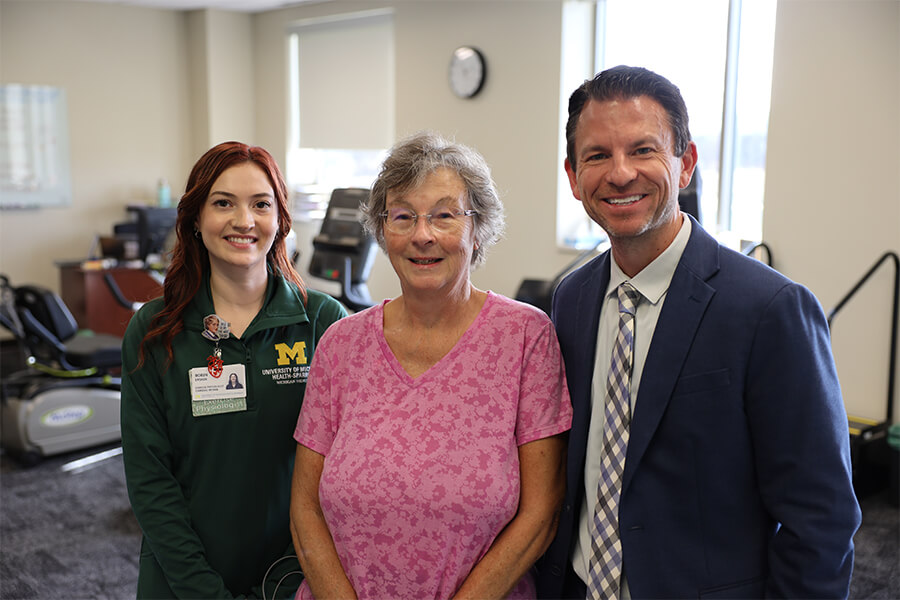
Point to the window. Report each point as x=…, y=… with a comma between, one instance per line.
x=341, y=105
x=719, y=53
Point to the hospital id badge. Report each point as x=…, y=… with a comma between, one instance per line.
x=217, y=395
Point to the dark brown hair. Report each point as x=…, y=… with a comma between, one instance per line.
x=624, y=82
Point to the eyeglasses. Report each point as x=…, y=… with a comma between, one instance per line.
x=443, y=220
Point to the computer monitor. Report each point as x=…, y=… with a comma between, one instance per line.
x=152, y=226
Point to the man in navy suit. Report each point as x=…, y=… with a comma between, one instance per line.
x=736, y=478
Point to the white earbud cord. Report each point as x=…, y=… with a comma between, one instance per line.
x=280, y=581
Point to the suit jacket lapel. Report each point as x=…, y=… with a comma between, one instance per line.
x=580, y=367
x=590, y=302
x=685, y=303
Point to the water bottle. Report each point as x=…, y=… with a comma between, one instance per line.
x=163, y=194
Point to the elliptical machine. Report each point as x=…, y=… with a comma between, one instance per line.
x=63, y=392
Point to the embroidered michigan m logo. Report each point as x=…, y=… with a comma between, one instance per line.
x=286, y=353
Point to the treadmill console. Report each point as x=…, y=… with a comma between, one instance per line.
x=343, y=251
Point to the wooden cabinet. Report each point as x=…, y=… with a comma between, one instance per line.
x=92, y=303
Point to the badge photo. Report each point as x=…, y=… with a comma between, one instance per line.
x=213, y=394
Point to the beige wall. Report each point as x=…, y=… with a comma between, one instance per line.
x=512, y=121
x=832, y=204
x=126, y=83
x=148, y=90
x=199, y=94
x=230, y=61
x=217, y=89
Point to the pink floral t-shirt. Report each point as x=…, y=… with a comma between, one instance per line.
x=421, y=474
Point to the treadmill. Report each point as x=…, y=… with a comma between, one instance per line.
x=343, y=251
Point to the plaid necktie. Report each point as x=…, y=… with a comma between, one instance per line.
x=605, y=567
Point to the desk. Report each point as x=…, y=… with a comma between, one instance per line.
x=92, y=304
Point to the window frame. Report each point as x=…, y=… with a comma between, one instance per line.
x=722, y=223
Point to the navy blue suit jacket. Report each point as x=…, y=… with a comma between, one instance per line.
x=737, y=479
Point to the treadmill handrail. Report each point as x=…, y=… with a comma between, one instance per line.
x=350, y=295
x=760, y=245
x=116, y=292
x=895, y=316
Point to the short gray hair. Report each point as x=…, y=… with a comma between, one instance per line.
x=412, y=159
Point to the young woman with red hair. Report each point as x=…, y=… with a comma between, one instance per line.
x=208, y=467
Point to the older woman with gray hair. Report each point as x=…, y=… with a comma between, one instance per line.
x=430, y=457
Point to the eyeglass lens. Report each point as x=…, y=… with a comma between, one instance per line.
x=402, y=220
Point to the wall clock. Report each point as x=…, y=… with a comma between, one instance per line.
x=467, y=71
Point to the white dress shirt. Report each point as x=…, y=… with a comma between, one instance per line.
x=653, y=283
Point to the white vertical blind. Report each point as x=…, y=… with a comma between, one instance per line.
x=345, y=86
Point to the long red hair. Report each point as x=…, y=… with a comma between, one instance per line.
x=189, y=256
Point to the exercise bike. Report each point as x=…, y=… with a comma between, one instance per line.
x=63, y=392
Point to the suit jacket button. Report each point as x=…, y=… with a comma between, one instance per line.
x=556, y=571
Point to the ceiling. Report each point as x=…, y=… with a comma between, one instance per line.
x=249, y=6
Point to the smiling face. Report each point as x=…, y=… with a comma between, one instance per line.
x=239, y=220
x=626, y=173
x=426, y=260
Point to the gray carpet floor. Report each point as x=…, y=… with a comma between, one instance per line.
x=71, y=534
x=67, y=534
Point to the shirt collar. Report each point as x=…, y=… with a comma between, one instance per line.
x=653, y=280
